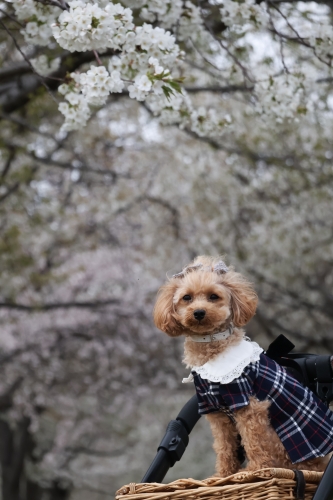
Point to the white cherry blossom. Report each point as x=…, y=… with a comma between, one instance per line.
x=44, y=66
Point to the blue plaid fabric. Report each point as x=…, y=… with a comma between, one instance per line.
x=303, y=423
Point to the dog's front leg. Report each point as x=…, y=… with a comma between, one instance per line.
x=258, y=437
x=225, y=443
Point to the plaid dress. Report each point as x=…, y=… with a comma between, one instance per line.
x=303, y=423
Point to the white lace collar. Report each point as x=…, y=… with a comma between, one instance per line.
x=229, y=364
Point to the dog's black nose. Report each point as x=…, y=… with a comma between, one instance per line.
x=199, y=314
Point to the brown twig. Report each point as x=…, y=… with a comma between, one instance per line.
x=97, y=58
x=299, y=39
x=12, y=18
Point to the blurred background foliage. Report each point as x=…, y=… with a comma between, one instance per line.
x=91, y=222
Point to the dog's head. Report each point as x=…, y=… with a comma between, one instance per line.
x=204, y=297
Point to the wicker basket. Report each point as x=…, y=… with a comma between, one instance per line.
x=264, y=484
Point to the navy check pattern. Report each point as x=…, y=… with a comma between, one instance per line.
x=303, y=423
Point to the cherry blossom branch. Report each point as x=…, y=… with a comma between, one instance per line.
x=302, y=41
x=286, y=19
x=69, y=64
x=280, y=39
x=226, y=48
x=298, y=38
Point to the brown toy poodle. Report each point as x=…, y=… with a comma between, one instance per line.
x=241, y=391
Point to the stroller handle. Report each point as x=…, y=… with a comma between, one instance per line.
x=174, y=442
x=189, y=414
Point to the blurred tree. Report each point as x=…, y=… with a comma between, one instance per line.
x=239, y=163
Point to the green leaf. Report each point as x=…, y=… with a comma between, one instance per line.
x=167, y=91
x=175, y=85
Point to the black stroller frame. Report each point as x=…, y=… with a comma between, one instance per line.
x=313, y=371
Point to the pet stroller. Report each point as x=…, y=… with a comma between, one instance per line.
x=313, y=371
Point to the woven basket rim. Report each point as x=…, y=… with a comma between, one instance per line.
x=250, y=479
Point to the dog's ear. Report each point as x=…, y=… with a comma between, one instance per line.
x=243, y=298
x=165, y=317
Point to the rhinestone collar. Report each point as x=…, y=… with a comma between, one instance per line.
x=213, y=337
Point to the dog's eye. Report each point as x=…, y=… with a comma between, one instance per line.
x=213, y=296
x=187, y=297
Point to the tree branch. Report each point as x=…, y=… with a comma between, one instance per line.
x=220, y=90
x=68, y=166
x=38, y=76
x=61, y=3
x=12, y=18
x=47, y=160
x=58, y=305
x=158, y=201
x=9, y=191
x=20, y=68
x=245, y=152
x=23, y=123
x=7, y=397
x=11, y=156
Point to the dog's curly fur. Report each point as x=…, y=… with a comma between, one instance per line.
x=225, y=298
